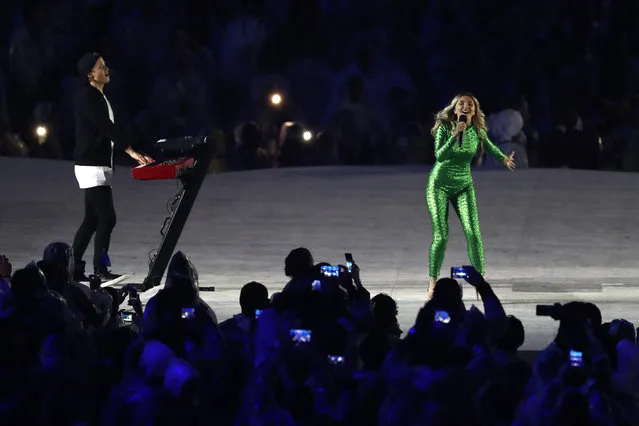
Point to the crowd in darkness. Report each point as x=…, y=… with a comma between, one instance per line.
x=359, y=81
x=319, y=352
x=365, y=76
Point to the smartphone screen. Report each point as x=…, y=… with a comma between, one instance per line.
x=349, y=261
x=300, y=336
x=126, y=316
x=188, y=313
x=335, y=359
x=458, y=272
x=442, y=316
x=330, y=271
x=576, y=358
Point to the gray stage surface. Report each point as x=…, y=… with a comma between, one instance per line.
x=549, y=235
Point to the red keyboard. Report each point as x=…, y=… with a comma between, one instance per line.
x=168, y=169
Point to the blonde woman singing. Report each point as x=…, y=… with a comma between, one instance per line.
x=450, y=180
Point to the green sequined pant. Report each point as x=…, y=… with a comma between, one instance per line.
x=465, y=205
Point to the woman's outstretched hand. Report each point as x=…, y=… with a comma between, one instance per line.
x=510, y=161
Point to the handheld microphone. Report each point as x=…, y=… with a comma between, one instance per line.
x=460, y=137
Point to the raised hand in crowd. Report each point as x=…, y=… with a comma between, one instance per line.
x=5, y=268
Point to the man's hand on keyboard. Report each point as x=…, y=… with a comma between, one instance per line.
x=142, y=159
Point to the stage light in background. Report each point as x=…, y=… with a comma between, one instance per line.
x=276, y=99
x=307, y=135
x=41, y=133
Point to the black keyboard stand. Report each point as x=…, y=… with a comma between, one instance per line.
x=203, y=151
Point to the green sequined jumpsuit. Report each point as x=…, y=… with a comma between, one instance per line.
x=451, y=180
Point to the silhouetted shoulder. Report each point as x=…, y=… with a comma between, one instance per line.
x=86, y=94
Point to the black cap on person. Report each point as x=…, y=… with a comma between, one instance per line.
x=87, y=62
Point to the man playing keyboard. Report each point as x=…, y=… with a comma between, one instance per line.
x=96, y=137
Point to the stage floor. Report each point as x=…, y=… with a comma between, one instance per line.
x=549, y=235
